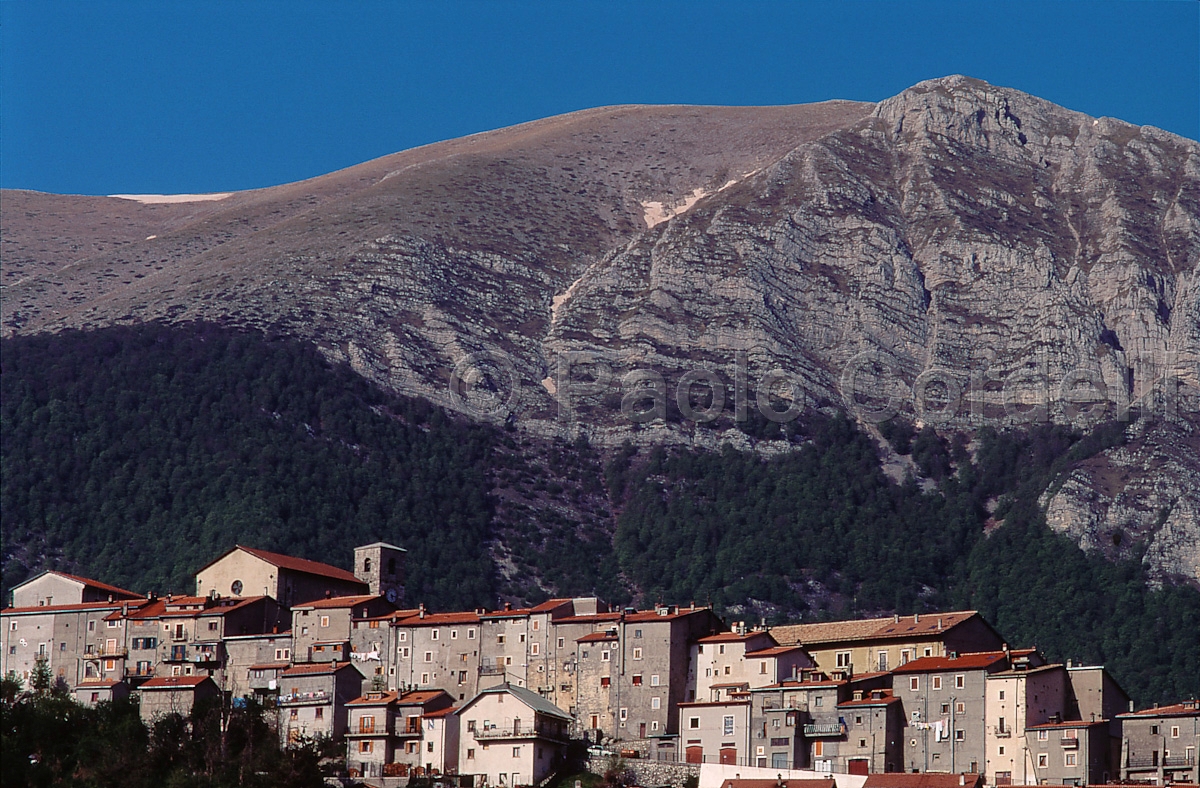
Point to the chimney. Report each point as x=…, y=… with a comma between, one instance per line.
x=962, y=779
x=939, y=624
x=1070, y=664
x=421, y=611
x=897, y=619
x=916, y=618
x=508, y=605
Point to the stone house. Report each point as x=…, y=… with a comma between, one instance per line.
x=881, y=644
x=511, y=736
x=1161, y=744
x=716, y=731
x=79, y=641
x=246, y=656
x=322, y=630
x=247, y=571
x=944, y=701
x=741, y=658
x=94, y=691
x=910, y=780
x=50, y=588
x=387, y=730
x=164, y=695
x=1069, y=753
x=436, y=651
x=874, y=721
x=1022, y=696
x=312, y=699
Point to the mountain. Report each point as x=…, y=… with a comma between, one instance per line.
x=1011, y=261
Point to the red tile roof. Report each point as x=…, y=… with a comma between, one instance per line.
x=77, y=607
x=160, y=608
x=597, y=637
x=731, y=637
x=548, y=605
x=825, y=782
x=927, y=780
x=438, y=619
x=97, y=683
x=291, y=563
x=174, y=682
x=981, y=660
x=446, y=712
x=337, y=602
x=773, y=651
x=383, y=699
x=87, y=581
x=590, y=618
x=270, y=666
x=1186, y=709
x=696, y=703
x=867, y=700
x=420, y=697
x=315, y=669
x=871, y=629
x=1066, y=724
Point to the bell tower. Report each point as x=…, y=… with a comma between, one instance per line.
x=381, y=566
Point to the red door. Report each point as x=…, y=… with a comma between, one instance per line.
x=858, y=766
x=729, y=756
x=695, y=755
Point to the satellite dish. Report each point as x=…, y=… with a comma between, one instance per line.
x=391, y=595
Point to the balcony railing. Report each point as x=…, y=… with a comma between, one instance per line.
x=1178, y=761
x=511, y=730
x=824, y=729
x=1069, y=742
x=317, y=696
x=1002, y=733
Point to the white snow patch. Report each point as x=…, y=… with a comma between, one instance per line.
x=154, y=199
x=151, y=237
x=656, y=212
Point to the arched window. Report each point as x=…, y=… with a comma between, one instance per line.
x=367, y=565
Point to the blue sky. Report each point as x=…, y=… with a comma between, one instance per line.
x=113, y=97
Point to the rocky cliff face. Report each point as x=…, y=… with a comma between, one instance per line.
x=962, y=253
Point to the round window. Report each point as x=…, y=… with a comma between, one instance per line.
x=236, y=588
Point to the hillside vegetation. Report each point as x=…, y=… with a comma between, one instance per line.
x=137, y=454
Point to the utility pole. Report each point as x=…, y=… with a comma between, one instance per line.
x=953, y=767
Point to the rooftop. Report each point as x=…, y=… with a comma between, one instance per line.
x=927, y=780
x=337, y=602
x=975, y=661
x=291, y=563
x=893, y=627
x=175, y=682
x=1189, y=708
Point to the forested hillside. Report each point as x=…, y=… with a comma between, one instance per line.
x=135, y=455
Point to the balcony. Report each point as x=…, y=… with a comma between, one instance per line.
x=491, y=669
x=1001, y=733
x=517, y=729
x=1069, y=743
x=823, y=729
x=1179, y=761
x=301, y=698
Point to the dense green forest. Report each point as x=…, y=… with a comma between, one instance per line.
x=137, y=454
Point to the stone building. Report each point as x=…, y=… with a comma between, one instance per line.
x=51, y=588
x=716, y=731
x=312, y=699
x=247, y=571
x=944, y=700
x=82, y=641
x=874, y=721
x=881, y=644
x=386, y=733
x=1161, y=744
x=436, y=651
x=1069, y=753
x=164, y=695
x=1022, y=696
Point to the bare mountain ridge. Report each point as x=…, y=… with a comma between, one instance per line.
x=959, y=234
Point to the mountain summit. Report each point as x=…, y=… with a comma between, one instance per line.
x=961, y=254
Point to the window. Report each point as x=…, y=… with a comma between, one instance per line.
x=637, y=680
x=637, y=634
x=1001, y=694
x=726, y=670
x=470, y=753
x=536, y=625
x=95, y=697
x=435, y=634
x=429, y=747
x=905, y=656
x=843, y=659
x=533, y=649
x=727, y=725
x=605, y=681
x=1153, y=730
x=654, y=723
x=604, y=655
x=562, y=642
x=1174, y=731
x=653, y=679
x=325, y=622
x=429, y=656
x=516, y=752
x=693, y=722
x=1002, y=725
x=818, y=701
x=862, y=743
x=624, y=714
x=914, y=683
x=471, y=634
x=960, y=682
x=404, y=652
x=91, y=626
x=1043, y=760
x=13, y=626
x=403, y=637
x=928, y=651
x=1043, y=735
x=500, y=639
x=960, y=735
x=883, y=660
x=1000, y=750
x=454, y=634
x=937, y=683
x=366, y=745
x=721, y=648
x=319, y=713
x=960, y=708
x=637, y=653
x=366, y=724
x=945, y=708
x=656, y=703
x=1070, y=758
x=425, y=678
x=762, y=667
x=508, y=660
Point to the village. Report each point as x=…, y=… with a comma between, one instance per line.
x=497, y=697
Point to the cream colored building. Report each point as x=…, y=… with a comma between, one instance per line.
x=511, y=736
x=1017, y=699
x=247, y=571
x=741, y=659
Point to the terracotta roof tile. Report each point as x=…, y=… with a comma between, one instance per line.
x=870, y=629
x=1186, y=709
x=825, y=782
x=316, y=669
x=174, y=682
x=438, y=619
x=301, y=565
x=974, y=661
x=597, y=637
x=928, y=780
x=337, y=602
x=87, y=581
